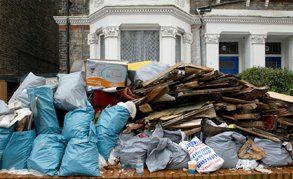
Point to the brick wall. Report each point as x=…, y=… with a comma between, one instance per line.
x=28, y=37
x=79, y=49
x=78, y=7
x=254, y=4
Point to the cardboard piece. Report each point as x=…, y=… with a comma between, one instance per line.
x=106, y=73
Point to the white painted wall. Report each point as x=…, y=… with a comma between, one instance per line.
x=167, y=45
x=290, y=53
x=99, y=4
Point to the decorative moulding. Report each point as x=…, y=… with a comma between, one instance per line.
x=98, y=3
x=93, y=39
x=167, y=31
x=212, y=38
x=111, y=31
x=187, y=38
x=258, y=38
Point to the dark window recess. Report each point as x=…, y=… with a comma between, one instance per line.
x=228, y=48
x=102, y=47
x=273, y=48
x=178, y=48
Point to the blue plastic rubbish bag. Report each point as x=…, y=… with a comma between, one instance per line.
x=47, y=153
x=45, y=118
x=110, y=124
x=81, y=158
x=18, y=150
x=77, y=122
x=5, y=134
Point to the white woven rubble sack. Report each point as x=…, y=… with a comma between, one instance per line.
x=206, y=159
x=71, y=92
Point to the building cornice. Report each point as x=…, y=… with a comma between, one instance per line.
x=248, y=20
x=170, y=10
x=74, y=20
x=162, y=10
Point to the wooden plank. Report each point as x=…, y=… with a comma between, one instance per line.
x=235, y=100
x=189, y=124
x=192, y=131
x=281, y=97
x=257, y=134
x=209, y=91
x=187, y=115
x=162, y=75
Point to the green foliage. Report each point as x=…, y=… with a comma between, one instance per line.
x=278, y=80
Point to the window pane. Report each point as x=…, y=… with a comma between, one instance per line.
x=178, y=48
x=102, y=47
x=140, y=45
x=228, y=48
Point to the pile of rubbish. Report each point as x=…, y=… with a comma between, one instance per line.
x=180, y=117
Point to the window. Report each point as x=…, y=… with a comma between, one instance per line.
x=273, y=48
x=102, y=47
x=140, y=45
x=178, y=49
x=228, y=48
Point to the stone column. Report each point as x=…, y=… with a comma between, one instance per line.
x=195, y=46
x=212, y=50
x=111, y=34
x=187, y=41
x=93, y=42
x=258, y=50
x=168, y=43
x=290, y=53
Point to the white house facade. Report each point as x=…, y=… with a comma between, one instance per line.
x=164, y=30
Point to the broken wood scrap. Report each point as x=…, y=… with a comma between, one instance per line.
x=192, y=131
x=145, y=108
x=187, y=125
x=186, y=115
x=156, y=94
x=251, y=93
x=251, y=124
x=285, y=121
x=209, y=91
x=260, y=131
x=249, y=130
x=21, y=125
x=162, y=75
x=281, y=97
x=250, y=106
x=236, y=117
x=235, y=100
x=251, y=151
x=203, y=68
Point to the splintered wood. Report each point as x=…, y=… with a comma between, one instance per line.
x=184, y=95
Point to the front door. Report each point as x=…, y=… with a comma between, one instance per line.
x=229, y=65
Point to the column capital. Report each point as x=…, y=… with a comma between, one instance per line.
x=212, y=38
x=168, y=31
x=187, y=38
x=92, y=38
x=258, y=38
x=111, y=31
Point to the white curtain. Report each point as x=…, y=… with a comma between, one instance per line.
x=140, y=45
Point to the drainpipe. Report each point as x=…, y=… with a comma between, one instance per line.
x=68, y=35
x=200, y=36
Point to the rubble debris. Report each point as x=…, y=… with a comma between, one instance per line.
x=251, y=151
